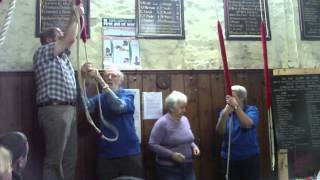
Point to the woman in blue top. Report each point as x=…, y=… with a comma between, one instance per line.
x=244, y=154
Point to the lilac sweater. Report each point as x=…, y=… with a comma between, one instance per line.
x=169, y=136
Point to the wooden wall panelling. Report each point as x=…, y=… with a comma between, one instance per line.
x=165, y=92
x=207, y=126
x=30, y=126
x=134, y=81
x=191, y=90
x=125, y=83
x=177, y=82
x=148, y=85
x=256, y=98
x=10, y=99
x=87, y=138
x=28, y=110
x=218, y=102
x=256, y=86
x=87, y=155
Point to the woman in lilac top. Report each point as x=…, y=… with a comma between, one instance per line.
x=173, y=142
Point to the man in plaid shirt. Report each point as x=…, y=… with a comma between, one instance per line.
x=56, y=100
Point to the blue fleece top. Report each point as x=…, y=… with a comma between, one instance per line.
x=244, y=142
x=118, y=109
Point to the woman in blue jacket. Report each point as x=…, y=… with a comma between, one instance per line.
x=244, y=154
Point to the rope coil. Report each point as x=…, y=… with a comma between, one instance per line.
x=84, y=94
x=7, y=21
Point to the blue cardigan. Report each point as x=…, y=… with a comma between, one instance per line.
x=244, y=142
x=118, y=109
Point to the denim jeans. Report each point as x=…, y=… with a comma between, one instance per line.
x=176, y=172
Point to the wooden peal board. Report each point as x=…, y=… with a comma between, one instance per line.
x=296, y=113
x=309, y=11
x=56, y=13
x=243, y=18
x=161, y=19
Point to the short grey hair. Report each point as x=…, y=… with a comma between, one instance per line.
x=240, y=91
x=173, y=98
x=116, y=70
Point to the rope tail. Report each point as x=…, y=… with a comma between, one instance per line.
x=229, y=147
x=84, y=94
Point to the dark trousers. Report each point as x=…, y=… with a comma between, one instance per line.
x=248, y=169
x=109, y=169
x=177, y=172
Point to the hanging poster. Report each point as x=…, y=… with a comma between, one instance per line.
x=120, y=46
x=152, y=105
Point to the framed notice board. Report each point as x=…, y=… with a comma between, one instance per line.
x=243, y=18
x=309, y=11
x=160, y=19
x=296, y=115
x=56, y=13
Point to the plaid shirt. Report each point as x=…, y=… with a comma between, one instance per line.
x=54, y=76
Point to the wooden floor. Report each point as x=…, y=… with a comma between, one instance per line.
x=205, y=90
